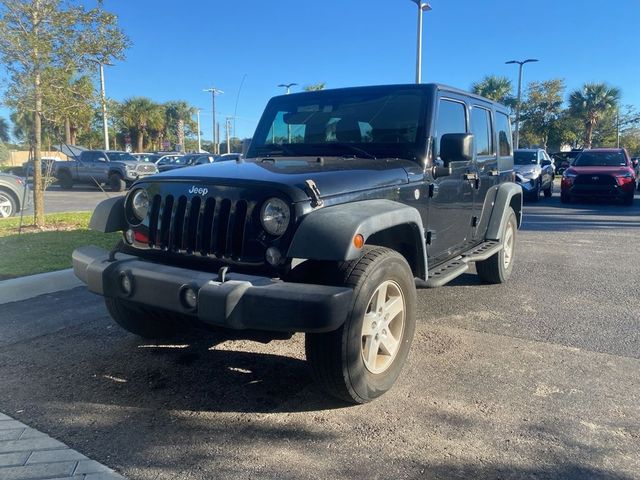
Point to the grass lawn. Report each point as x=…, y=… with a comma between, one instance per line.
x=48, y=249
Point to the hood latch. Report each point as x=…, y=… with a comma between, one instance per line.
x=314, y=193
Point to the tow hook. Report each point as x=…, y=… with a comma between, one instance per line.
x=222, y=274
x=314, y=192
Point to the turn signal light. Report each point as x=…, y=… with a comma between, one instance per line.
x=358, y=241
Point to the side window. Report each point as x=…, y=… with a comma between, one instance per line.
x=504, y=134
x=451, y=119
x=88, y=157
x=481, y=129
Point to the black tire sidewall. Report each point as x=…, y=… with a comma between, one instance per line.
x=365, y=384
x=12, y=201
x=116, y=182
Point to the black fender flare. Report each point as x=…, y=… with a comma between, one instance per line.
x=328, y=233
x=508, y=195
x=109, y=216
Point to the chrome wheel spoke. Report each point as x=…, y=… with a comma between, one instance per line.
x=389, y=344
x=370, y=324
x=393, y=308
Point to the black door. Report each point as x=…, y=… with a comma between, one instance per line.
x=451, y=207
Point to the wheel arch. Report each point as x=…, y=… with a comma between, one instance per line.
x=508, y=195
x=328, y=233
x=108, y=216
x=13, y=195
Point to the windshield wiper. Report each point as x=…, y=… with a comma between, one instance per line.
x=354, y=149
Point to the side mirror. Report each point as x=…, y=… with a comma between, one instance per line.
x=635, y=162
x=545, y=163
x=101, y=159
x=454, y=147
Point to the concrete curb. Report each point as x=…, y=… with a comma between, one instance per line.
x=23, y=288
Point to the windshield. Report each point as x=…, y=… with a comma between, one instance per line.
x=525, y=158
x=600, y=159
x=121, y=157
x=369, y=123
x=178, y=160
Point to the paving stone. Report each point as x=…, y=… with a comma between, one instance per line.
x=5, y=417
x=11, y=424
x=91, y=466
x=65, y=455
x=45, y=443
x=12, y=434
x=104, y=476
x=42, y=470
x=13, y=459
x=32, y=433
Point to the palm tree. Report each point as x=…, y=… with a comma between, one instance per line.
x=314, y=87
x=590, y=103
x=140, y=115
x=494, y=88
x=179, y=115
x=4, y=130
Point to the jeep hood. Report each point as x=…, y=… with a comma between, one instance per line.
x=333, y=176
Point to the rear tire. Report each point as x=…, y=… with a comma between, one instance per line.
x=363, y=358
x=8, y=204
x=146, y=322
x=65, y=180
x=117, y=183
x=498, y=267
x=628, y=200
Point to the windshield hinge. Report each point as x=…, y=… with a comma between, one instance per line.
x=314, y=193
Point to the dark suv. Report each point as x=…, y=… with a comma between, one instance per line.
x=346, y=201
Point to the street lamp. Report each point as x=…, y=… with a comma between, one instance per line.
x=199, y=140
x=422, y=7
x=214, y=91
x=520, y=63
x=287, y=86
x=103, y=99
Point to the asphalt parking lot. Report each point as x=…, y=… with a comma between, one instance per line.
x=79, y=198
x=538, y=378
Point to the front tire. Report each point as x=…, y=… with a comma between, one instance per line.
x=65, y=180
x=117, y=183
x=498, y=267
x=548, y=192
x=565, y=198
x=363, y=358
x=628, y=200
x=146, y=322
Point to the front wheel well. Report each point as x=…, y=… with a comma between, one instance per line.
x=516, y=204
x=13, y=195
x=406, y=239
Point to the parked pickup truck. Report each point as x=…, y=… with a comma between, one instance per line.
x=117, y=169
x=346, y=201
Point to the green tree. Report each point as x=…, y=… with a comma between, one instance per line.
x=314, y=87
x=590, y=104
x=141, y=115
x=38, y=37
x=494, y=88
x=4, y=130
x=179, y=120
x=541, y=110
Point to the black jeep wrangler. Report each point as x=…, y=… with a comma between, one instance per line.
x=346, y=201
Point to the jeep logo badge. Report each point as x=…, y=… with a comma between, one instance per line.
x=198, y=190
x=595, y=179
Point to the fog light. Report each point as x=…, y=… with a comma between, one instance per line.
x=126, y=284
x=190, y=298
x=129, y=236
x=273, y=256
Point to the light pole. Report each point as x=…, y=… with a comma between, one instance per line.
x=422, y=7
x=288, y=90
x=520, y=64
x=103, y=99
x=199, y=140
x=214, y=91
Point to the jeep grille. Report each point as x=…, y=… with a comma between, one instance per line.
x=209, y=226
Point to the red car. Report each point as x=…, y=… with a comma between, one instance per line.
x=601, y=173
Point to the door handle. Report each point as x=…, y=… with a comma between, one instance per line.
x=494, y=173
x=471, y=176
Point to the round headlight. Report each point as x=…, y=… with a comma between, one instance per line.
x=140, y=204
x=275, y=216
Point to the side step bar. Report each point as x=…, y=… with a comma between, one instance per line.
x=455, y=267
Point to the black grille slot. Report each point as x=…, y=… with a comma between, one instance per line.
x=191, y=226
x=178, y=224
x=206, y=226
x=153, y=219
x=221, y=228
x=237, y=230
x=165, y=222
x=595, y=180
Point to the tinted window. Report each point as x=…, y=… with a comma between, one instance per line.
x=596, y=159
x=522, y=157
x=504, y=134
x=451, y=119
x=121, y=157
x=481, y=129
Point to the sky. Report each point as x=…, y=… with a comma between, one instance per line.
x=180, y=48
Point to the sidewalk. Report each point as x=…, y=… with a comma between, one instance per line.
x=23, y=288
x=27, y=454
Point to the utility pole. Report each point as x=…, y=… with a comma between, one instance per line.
x=422, y=7
x=228, y=125
x=520, y=63
x=218, y=138
x=214, y=91
x=199, y=139
x=103, y=100
x=618, y=128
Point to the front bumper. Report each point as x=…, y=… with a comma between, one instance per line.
x=599, y=191
x=240, y=302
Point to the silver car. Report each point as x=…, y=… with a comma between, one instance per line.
x=535, y=171
x=14, y=195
